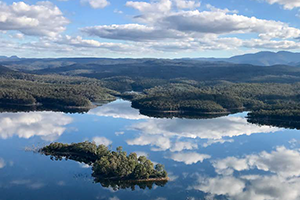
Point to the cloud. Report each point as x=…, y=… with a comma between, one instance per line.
x=287, y=4
x=179, y=146
x=42, y=19
x=271, y=44
x=119, y=133
x=132, y=32
x=176, y=26
x=250, y=187
x=186, y=4
x=212, y=21
x=280, y=180
x=97, y=3
x=282, y=161
x=2, y=163
x=118, y=109
x=175, y=134
x=84, y=166
x=219, y=22
x=102, y=140
x=17, y=36
x=28, y=183
x=118, y=11
x=161, y=6
x=220, y=185
x=160, y=28
x=67, y=45
x=228, y=165
x=161, y=143
x=221, y=141
x=79, y=42
x=27, y=125
x=141, y=153
x=218, y=128
x=189, y=24
x=189, y=158
x=114, y=198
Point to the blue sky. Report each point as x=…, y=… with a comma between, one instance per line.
x=149, y=28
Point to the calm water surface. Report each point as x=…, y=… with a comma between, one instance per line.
x=221, y=158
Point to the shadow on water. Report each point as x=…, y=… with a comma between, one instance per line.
x=184, y=115
x=117, y=185
x=276, y=122
x=30, y=108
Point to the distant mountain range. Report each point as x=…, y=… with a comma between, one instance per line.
x=263, y=58
x=283, y=68
x=11, y=58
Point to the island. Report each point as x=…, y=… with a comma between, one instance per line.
x=110, y=167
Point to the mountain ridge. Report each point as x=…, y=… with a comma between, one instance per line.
x=262, y=58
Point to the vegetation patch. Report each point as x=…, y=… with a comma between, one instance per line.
x=109, y=167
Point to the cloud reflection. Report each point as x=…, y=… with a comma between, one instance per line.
x=218, y=128
x=170, y=134
x=48, y=125
x=189, y=158
x=2, y=163
x=28, y=183
x=118, y=109
x=283, y=162
x=102, y=140
x=280, y=180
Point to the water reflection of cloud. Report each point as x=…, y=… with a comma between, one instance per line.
x=168, y=134
x=118, y=109
x=102, y=140
x=48, y=125
x=162, y=143
x=283, y=162
x=220, y=185
x=28, y=183
x=2, y=163
x=218, y=128
x=189, y=157
x=179, y=146
x=221, y=141
x=280, y=180
x=114, y=198
x=251, y=187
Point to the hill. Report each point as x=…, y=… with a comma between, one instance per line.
x=263, y=58
x=169, y=69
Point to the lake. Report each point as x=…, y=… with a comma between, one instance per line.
x=220, y=158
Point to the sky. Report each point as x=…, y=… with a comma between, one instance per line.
x=147, y=28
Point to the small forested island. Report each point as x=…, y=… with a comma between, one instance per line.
x=110, y=167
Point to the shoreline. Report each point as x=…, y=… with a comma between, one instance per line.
x=138, y=180
x=191, y=112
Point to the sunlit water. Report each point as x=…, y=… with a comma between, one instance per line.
x=222, y=158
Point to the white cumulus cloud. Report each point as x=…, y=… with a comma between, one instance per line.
x=96, y=3
x=287, y=4
x=41, y=19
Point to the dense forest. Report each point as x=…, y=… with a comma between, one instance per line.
x=48, y=91
x=160, y=88
x=221, y=98
x=109, y=165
